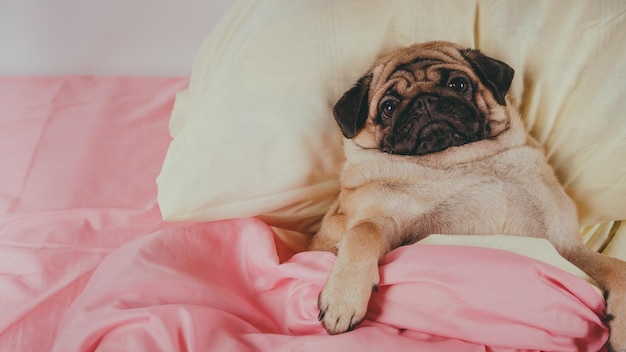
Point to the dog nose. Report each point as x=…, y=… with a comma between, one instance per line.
x=425, y=102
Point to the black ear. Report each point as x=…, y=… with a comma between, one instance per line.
x=495, y=74
x=352, y=109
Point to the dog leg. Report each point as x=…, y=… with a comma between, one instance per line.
x=344, y=299
x=610, y=274
x=330, y=233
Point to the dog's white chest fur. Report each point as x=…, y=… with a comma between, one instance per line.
x=488, y=197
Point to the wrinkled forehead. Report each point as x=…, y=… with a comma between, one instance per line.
x=418, y=63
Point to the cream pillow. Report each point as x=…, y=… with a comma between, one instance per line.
x=254, y=133
x=570, y=83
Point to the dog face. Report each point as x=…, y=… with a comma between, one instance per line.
x=425, y=99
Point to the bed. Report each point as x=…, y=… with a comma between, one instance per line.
x=170, y=213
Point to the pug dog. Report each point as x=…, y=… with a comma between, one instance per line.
x=432, y=146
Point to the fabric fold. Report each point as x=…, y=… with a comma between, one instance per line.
x=220, y=286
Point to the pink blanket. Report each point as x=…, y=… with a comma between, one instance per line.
x=86, y=263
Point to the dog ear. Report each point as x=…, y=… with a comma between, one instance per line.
x=352, y=109
x=494, y=74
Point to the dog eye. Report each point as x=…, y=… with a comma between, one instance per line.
x=459, y=84
x=388, y=108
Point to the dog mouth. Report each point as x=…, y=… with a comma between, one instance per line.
x=437, y=136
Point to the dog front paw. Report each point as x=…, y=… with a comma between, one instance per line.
x=344, y=299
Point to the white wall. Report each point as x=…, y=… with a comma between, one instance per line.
x=106, y=37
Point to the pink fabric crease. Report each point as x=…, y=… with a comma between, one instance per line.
x=221, y=286
x=87, y=264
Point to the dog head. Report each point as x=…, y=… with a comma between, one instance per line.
x=425, y=99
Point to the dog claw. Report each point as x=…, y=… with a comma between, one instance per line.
x=375, y=288
x=321, y=315
x=607, y=319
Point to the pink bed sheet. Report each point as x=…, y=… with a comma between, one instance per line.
x=87, y=264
